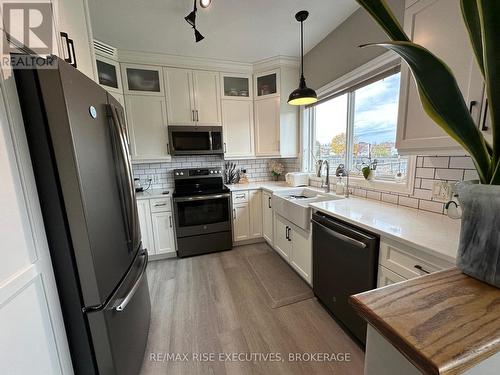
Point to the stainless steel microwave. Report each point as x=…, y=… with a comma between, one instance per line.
x=195, y=140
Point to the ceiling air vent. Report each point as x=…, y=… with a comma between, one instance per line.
x=104, y=49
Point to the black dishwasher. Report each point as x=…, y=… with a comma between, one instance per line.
x=345, y=262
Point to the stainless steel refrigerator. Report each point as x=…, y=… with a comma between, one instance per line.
x=78, y=143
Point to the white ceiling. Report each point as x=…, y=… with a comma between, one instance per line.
x=237, y=30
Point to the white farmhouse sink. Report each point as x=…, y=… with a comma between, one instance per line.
x=293, y=204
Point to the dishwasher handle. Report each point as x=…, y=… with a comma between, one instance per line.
x=341, y=236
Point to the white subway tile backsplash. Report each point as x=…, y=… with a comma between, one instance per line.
x=257, y=169
x=470, y=174
x=425, y=173
x=432, y=206
x=427, y=184
x=408, y=202
x=376, y=195
x=436, y=161
x=449, y=174
x=422, y=194
x=461, y=162
x=390, y=198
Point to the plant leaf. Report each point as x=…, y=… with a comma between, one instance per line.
x=381, y=12
x=443, y=102
x=489, y=14
x=470, y=14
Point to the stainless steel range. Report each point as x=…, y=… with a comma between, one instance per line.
x=202, y=210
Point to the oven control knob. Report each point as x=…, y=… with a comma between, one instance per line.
x=176, y=173
x=181, y=173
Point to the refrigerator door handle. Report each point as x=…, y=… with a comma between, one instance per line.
x=128, y=195
x=123, y=302
x=107, y=304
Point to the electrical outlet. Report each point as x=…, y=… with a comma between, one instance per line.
x=441, y=191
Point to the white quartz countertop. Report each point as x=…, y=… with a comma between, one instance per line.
x=434, y=233
x=264, y=185
x=153, y=193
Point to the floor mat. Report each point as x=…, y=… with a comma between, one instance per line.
x=282, y=285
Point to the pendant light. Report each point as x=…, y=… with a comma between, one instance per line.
x=302, y=95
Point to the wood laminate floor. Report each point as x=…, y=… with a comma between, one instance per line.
x=213, y=304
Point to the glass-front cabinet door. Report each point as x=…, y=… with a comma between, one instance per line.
x=142, y=79
x=108, y=74
x=236, y=86
x=267, y=84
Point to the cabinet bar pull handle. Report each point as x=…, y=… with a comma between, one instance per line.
x=269, y=202
x=234, y=213
x=160, y=204
x=225, y=148
x=197, y=117
x=286, y=232
x=471, y=105
x=420, y=268
x=192, y=115
x=484, y=127
x=289, y=230
x=170, y=220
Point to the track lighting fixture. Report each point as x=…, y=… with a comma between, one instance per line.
x=191, y=19
x=205, y=3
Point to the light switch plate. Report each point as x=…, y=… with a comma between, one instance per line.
x=441, y=191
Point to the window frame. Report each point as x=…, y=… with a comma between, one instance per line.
x=379, y=68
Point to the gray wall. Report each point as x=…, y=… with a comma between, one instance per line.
x=339, y=53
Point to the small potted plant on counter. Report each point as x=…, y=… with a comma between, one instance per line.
x=479, y=249
x=276, y=169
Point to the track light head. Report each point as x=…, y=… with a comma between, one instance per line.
x=197, y=36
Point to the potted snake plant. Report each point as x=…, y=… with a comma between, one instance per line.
x=479, y=249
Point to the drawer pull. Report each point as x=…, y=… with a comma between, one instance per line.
x=160, y=204
x=420, y=268
x=240, y=196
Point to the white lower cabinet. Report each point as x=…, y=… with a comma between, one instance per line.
x=387, y=277
x=281, y=243
x=241, y=222
x=163, y=232
x=255, y=205
x=145, y=224
x=157, y=226
x=247, y=215
x=294, y=245
x=267, y=217
x=398, y=262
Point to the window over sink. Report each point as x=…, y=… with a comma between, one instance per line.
x=356, y=126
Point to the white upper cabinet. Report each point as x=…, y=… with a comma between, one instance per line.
x=206, y=97
x=438, y=26
x=147, y=127
x=276, y=121
x=180, y=94
x=142, y=79
x=73, y=19
x=193, y=97
x=267, y=127
x=236, y=86
x=267, y=84
x=237, y=120
x=108, y=74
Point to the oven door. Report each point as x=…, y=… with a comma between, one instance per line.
x=202, y=214
x=194, y=140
